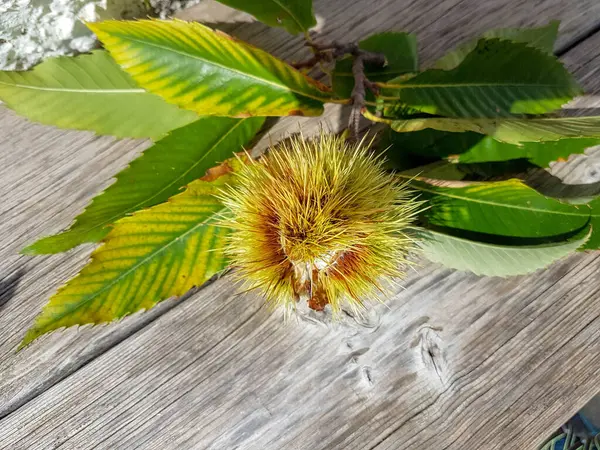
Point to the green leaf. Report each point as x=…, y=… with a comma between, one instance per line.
x=208, y=71
x=296, y=16
x=594, y=242
x=593, y=203
x=155, y=254
x=486, y=259
x=470, y=148
x=552, y=443
x=538, y=153
x=89, y=92
x=437, y=170
x=428, y=143
x=497, y=79
x=505, y=208
x=511, y=131
x=542, y=38
x=400, y=50
x=174, y=161
x=396, y=156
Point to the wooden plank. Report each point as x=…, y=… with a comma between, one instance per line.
x=47, y=176
x=581, y=173
x=454, y=360
x=440, y=25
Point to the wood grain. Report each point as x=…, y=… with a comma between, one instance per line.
x=457, y=361
x=46, y=177
x=454, y=360
x=580, y=173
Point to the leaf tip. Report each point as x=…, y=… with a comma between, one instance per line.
x=31, y=335
x=554, y=24
x=30, y=250
x=50, y=245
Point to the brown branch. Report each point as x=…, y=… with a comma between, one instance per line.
x=309, y=63
x=360, y=83
x=358, y=95
x=333, y=51
x=317, y=58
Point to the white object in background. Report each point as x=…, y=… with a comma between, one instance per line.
x=32, y=30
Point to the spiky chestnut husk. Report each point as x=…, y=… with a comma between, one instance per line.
x=319, y=220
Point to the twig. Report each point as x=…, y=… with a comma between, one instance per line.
x=360, y=83
x=315, y=59
x=358, y=95
x=311, y=62
x=332, y=51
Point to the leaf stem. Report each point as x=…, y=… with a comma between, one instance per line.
x=373, y=118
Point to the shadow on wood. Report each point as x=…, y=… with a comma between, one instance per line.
x=552, y=186
x=8, y=286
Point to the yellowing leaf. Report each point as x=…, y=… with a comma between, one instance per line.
x=208, y=71
x=510, y=130
x=148, y=257
x=159, y=173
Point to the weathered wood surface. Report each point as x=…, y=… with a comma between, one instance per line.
x=453, y=361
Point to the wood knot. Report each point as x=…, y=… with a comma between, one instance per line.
x=433, y=353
